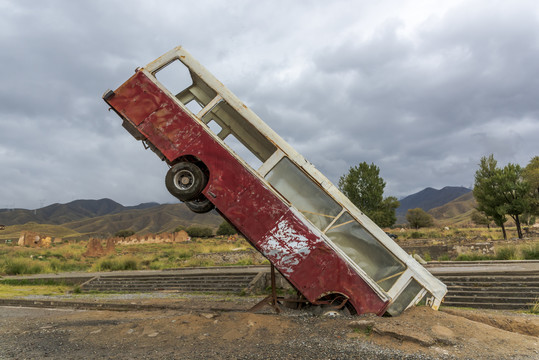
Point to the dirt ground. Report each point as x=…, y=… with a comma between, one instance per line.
x=222, y=329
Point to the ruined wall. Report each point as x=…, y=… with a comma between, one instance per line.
x=33, y=239
x=177, y=237
x=95, y=247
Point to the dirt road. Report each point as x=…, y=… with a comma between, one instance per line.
x=420, y=333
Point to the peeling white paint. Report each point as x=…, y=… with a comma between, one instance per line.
x=285, y=246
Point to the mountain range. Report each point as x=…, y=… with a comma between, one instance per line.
x=450, y=200
x=104, y=217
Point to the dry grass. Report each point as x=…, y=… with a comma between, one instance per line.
x=8, y=291
x=17, y=260
x=454, y=233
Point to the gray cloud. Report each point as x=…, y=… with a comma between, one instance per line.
x=421, y=92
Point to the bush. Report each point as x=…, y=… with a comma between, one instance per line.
x=416, y=235
x=179, y=228
x=116, y=264
x=199, y=231
x=418, y=218
x=124, y=233
x=194, y=262
x=19, y=266
x=531, y=252
x=245, y=261
x=226, y=229
x=506, y=253
x=472, y=257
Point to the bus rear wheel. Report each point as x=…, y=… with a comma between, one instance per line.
x=200, y=205
x=185, y=181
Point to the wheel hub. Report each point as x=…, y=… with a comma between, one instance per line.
x=184, y=179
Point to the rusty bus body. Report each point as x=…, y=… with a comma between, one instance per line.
x=313, y=235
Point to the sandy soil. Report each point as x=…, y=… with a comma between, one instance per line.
x=196, y=332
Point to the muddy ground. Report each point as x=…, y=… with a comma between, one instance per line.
x=222, y=329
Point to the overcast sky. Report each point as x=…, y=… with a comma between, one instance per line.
x=422, y=89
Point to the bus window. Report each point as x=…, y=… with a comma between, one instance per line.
x=405, y=298
x=175, y=77
x=313, y=202
x=367, y=252
x=185, y=85
x=214, y=127
x=244, y=134
x=242, y=151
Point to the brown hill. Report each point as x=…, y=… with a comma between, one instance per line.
x=85, y=218
x=162, y=218
x=456, y=212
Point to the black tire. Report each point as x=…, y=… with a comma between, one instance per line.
x=200, y=205
x=185, y=181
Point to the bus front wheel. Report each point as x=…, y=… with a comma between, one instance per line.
x=200, y=205
x=185, y=181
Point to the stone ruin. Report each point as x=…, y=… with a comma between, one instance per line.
x=177, y=237
x=33, y=239
x=95, y=246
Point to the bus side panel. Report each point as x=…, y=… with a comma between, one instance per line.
x=156, y=115
x=271, y=226
x=323, y=269
x=137, y=98
x=314, y=268
x=171, y=130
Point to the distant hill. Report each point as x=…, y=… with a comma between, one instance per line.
x=428, y=199
x=458, y=211
x=104, y=217
x=61, y=213
x=162, y=218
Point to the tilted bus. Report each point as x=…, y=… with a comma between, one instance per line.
x=289, y=211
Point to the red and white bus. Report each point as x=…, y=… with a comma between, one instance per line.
x=222, y=155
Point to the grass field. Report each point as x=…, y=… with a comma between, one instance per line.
x=8, y=291
x=14, y=231
x=66, y=257
x=469, y=233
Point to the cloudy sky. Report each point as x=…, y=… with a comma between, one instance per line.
x=422, y=89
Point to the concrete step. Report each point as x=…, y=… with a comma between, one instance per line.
x=490, y=299
x=491, y=279
x=161, y=288
x=496, y=306
x=516, y=291
x=225, y=282
x=176, y=279
x=493, y=296
x=198, y=283
x=179, y=289
x=172, y=282
x=179, y=283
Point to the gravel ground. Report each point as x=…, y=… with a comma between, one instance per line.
x=195, y=332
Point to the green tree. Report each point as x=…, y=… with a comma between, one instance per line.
x=226, y=229
x=516, y=193
x=480, y=218
x=385, y=216
x=179, y=228
x=124, y=233
x=531, y=175
x=418, y=218
x=487, y=191
x=199, y=231
x=365, y=189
